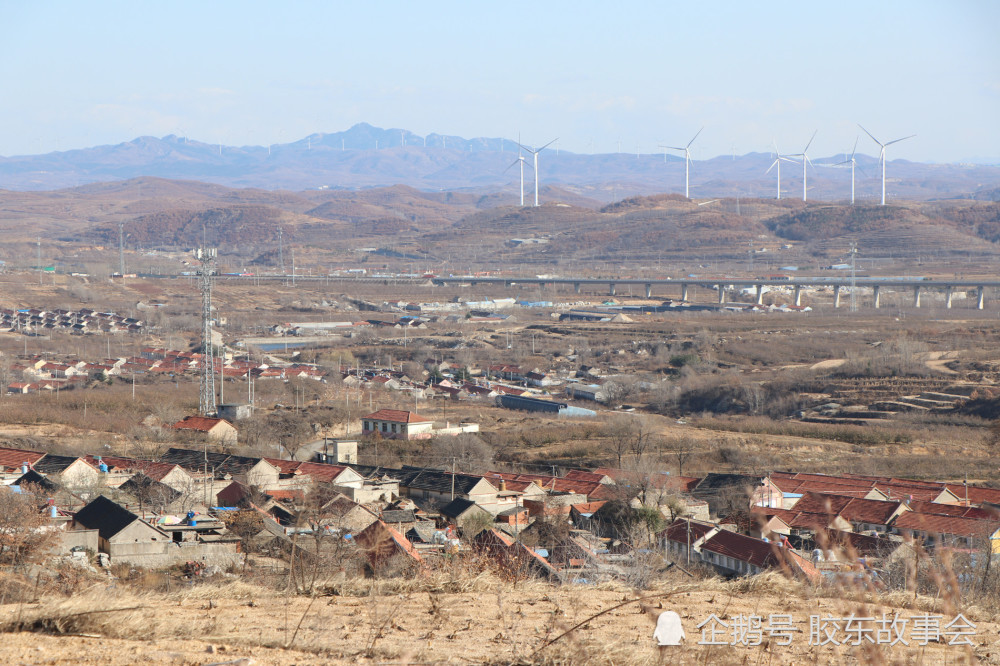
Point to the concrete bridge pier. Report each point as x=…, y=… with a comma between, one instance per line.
x=876, y=295
x=576, y=287
x=760, y=295
x=722, y=293
x=836, y=296
x=611, y=291
x=979, y=298
x=649, y=290
x=684, y=292
x=916, y=296
x=947, y=297
x=798, y=296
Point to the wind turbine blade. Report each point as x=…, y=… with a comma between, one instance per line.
x=528, y=149
x=772, y=166
x=855, y=147
x=695, y=137
x=547, y=145
x=810, y=142
x=514, y=164
x=870, y=134
x=673, y=148
x=898, y=140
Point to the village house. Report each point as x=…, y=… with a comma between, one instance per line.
x=430, y=485
x=68, y=471
x=397, y=424
x=125, y=537
x=937, y=531
x=219, y=430
x=385, y=547
x=732, y=492
x=731, y=553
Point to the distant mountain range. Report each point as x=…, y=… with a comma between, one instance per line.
x=365, y=156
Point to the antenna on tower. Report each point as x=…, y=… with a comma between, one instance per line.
x=121, y=249
x=281, y=250
x=206, y=398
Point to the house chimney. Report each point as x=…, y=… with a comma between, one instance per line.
x=25, y=467
x=503, y=485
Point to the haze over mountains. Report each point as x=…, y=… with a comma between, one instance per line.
x=365, y=156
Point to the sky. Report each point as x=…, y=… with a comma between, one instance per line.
x=636, y=75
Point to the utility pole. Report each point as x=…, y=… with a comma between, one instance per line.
x=206, y=401
x=854, y=282
x=38, y=242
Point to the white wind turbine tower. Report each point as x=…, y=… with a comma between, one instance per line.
x=853, y=163
x=881, y=155
x=805, y=162
x=777, y=163
x=687, y=163
x=535, y=155
x=519, y=161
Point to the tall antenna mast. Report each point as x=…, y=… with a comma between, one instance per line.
x=206, y=399
x=121, y=249
x=281, y=250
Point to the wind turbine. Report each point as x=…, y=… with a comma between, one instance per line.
x=853, y=163
x=687, y=162
x=881, y=155
x=805, y=162
x=535, y=155
x=777, y=163
x=519, y=161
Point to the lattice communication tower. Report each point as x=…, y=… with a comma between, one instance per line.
x=206, y=400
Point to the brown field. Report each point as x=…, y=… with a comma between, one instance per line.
x=449, y=618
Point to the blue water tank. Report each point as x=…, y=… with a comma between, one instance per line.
x=103, y=467
x=191, y=518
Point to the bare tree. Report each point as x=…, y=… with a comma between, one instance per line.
x=681, y=450
x=23, y=538
x=629, y=434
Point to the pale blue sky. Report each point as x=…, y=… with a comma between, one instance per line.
x=77, y=74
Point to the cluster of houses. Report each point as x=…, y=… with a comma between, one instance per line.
x=37, y=373
x=81, y=322
x=181, y=507
x=825, y=524
x=498, y=383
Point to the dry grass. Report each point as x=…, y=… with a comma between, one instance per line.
x=95, y=612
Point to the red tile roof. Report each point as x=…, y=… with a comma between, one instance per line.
x=199, y=423
x=950, y=525
x=396, y=416
x=16, y=457
x=294, y=495
x=584, y=475
x=976, y=494
x=954, y=510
